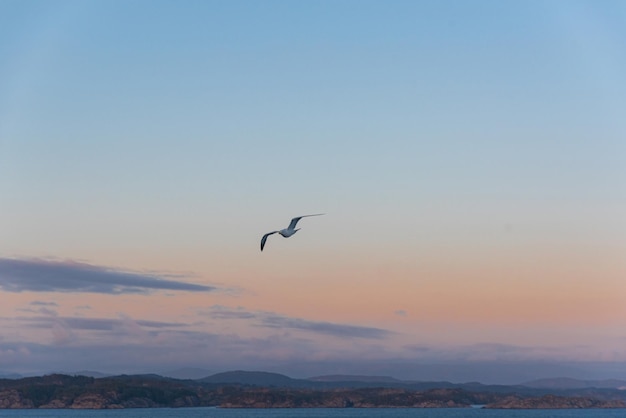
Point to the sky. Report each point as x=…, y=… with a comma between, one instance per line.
x=470, y=159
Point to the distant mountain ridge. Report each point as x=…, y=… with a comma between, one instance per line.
x=246, y=389
x=269, y=379
x=187, y=373
x=564, y=387
x=255, y=378
x=277, y=380
x=88, y=373
x=355, y=378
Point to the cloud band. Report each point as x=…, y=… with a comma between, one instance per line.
x=35, y=275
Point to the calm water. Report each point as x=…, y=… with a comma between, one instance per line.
x=314, y=413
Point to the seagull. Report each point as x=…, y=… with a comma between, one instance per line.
x=287, y=232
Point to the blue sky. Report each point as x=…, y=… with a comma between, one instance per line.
x=469, y=156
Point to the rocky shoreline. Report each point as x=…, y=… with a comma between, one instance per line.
x=80, y=392
x=554, y=402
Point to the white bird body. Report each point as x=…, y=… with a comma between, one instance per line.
x=287, y=232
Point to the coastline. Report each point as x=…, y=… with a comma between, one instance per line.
x=126, y=392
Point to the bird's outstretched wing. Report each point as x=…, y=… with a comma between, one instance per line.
x=294, y=221
x=265, y=238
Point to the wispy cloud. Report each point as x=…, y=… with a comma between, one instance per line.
x=490, y=352
x=223, y=312
x=73, y=330
x=328, y=328
x=42, y=303
x=127, y=345
x=274, y=320
x=93, y=324
x=35, y=275
x=44, y=308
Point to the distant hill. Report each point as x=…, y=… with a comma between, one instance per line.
x=270, y=391
x=88, y=373
x=141, y=377
x=355, y=378
x=187, y=373
x=568, y=383
x=255, y=379
x=332, y=382
x=276, y=380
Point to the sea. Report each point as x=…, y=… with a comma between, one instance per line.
x=314, y=413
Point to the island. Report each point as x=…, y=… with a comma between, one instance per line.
x=269, y=390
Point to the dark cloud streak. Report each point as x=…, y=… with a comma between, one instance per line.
x=273, y=320
x=222, y=312
x=92, y=324
x=34, y=275
x=327, y=328
x=41, y=303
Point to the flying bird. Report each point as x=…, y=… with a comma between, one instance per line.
x=287, y=232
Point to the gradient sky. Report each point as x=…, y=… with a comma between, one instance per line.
x=470, y=158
